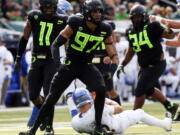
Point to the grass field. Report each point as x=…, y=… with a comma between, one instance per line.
x=14, y=120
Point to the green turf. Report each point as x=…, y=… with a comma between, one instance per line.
x=11, y=122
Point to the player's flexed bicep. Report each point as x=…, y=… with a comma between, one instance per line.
x=61, y=39
x=67, y=32
x=111, y=50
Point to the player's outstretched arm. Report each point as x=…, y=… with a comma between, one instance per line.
x=22, y=45
x=174, y=43
x=111, y=50
x=117, y=107
x=129, y=55
x=172, y=23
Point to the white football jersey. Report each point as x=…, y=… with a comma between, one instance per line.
x=8, y=68
x=85, y=123
x=3, y=52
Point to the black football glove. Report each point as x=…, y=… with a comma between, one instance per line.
x=63, y=68
x=113, y=68
x=119, y=70
x=17, y=65
x=57, y=64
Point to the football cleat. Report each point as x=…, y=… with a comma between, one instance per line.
x=168, y=121
x=27, y=133
x=49, y=131
x=177, y=117
x=173, y=109
x=101, y=131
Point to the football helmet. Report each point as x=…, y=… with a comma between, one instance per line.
x=4, y=36
x=48, y=4
x=138, y=16
x=178, y=3
x=64, y=7
x=92, y=5
x=81, y=96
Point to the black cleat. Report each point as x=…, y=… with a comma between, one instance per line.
x=101, y=131
x=49, y=131
x=42, y=127
x=26, y=133
x=173, y=109
x=178, y=117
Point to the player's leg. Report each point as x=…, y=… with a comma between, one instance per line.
x=49, y=71
x=153, y=121
x=92, y=77
x=140, y=89
x=132, y=117
x=108, y=78
x=59, y=83
x=35, y=82
x=157, y=94
x=168, y=105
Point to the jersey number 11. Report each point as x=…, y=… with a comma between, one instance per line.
x=45, y=25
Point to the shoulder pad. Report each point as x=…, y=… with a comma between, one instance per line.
x=74, y=18
x=34, y=14
x=63, y=17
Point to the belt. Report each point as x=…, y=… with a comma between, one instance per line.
x=97, y=60
x=40, y=56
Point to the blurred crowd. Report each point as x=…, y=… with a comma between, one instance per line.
x=17, y=10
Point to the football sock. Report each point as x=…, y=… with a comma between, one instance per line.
x=168, y=105
x=34, y=114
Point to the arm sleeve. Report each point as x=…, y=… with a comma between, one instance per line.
x=22, y=47
x=59, y=41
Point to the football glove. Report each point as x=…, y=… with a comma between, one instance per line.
x=17, y=65
x=119, y=70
